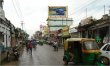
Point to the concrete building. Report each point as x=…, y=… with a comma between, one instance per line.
x=58, y=23
x=97, y=29
x=4, y=27
x=74, y=32
x=5, y=36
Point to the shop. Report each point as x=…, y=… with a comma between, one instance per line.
x=101, y=29
x=97, y=29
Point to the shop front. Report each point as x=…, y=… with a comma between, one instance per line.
x=101, y=31
x=97, y=29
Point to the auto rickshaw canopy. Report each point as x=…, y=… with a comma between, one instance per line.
x=76, y=39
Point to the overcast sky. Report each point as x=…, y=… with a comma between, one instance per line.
x=35, y=12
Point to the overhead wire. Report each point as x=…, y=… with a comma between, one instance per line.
x=82, y=7
x=16, y=9
x=86, y=6
x=98, y=9
x=19, y=8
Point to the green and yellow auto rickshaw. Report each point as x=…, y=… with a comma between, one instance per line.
x=81, y=51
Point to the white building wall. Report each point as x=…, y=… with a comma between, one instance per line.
x=6, y=32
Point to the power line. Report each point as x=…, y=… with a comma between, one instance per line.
x=89, y=4
x=19, y=12
x=19, y=8
x=78, y=9
x=98, y=9
x=15, y=9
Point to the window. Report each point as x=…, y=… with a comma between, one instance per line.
x=105, y=48
x=1, y=36
x=90, y=45
x=108, y=48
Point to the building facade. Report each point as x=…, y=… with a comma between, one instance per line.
x=4, y=27
x=97, y=29
x=58, y=23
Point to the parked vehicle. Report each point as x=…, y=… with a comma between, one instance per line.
x=105, y=54
x=81, y=51
x=13, y=54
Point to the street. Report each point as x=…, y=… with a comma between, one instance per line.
x=43, y=55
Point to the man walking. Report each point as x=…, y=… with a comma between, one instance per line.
x=30, y=46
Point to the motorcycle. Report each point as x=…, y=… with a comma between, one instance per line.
x=12, y=54
x=15, y=53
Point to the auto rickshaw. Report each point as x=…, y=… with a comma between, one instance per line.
x=84, y=51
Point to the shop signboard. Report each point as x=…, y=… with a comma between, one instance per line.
x=65, y=31
x=98, y=39
x=57, y=11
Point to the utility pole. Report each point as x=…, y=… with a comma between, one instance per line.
x=22, y=24
x=86, y=12
x=109, y=10
x=104, y=9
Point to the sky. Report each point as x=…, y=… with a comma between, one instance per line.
x=35, y=12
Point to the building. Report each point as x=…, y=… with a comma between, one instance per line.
x=74, y=32
x=97, y=29
x=57, y=21
x=5, y=36
x=4, y=28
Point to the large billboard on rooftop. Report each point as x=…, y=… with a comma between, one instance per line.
x=57, y=11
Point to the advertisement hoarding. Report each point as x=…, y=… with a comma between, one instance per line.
x=57, y=11
x=65, y=31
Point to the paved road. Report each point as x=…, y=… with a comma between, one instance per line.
x=42, y=56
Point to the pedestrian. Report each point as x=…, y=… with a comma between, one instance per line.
x=55, y=45
x=27, y=45
x=34, y=44
x=30, y=46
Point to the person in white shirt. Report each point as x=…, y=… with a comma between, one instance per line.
x=56, y=45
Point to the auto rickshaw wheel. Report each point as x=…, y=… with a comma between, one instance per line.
x=105, y=61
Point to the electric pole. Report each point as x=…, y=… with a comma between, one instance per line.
x=109, y=10
x=86, y=12
x=104, y=9
x=22, y=24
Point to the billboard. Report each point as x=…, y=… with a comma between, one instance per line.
x=57, y=11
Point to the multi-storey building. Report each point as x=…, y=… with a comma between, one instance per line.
x=57, y=21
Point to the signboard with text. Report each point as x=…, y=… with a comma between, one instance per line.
x=65, y=31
